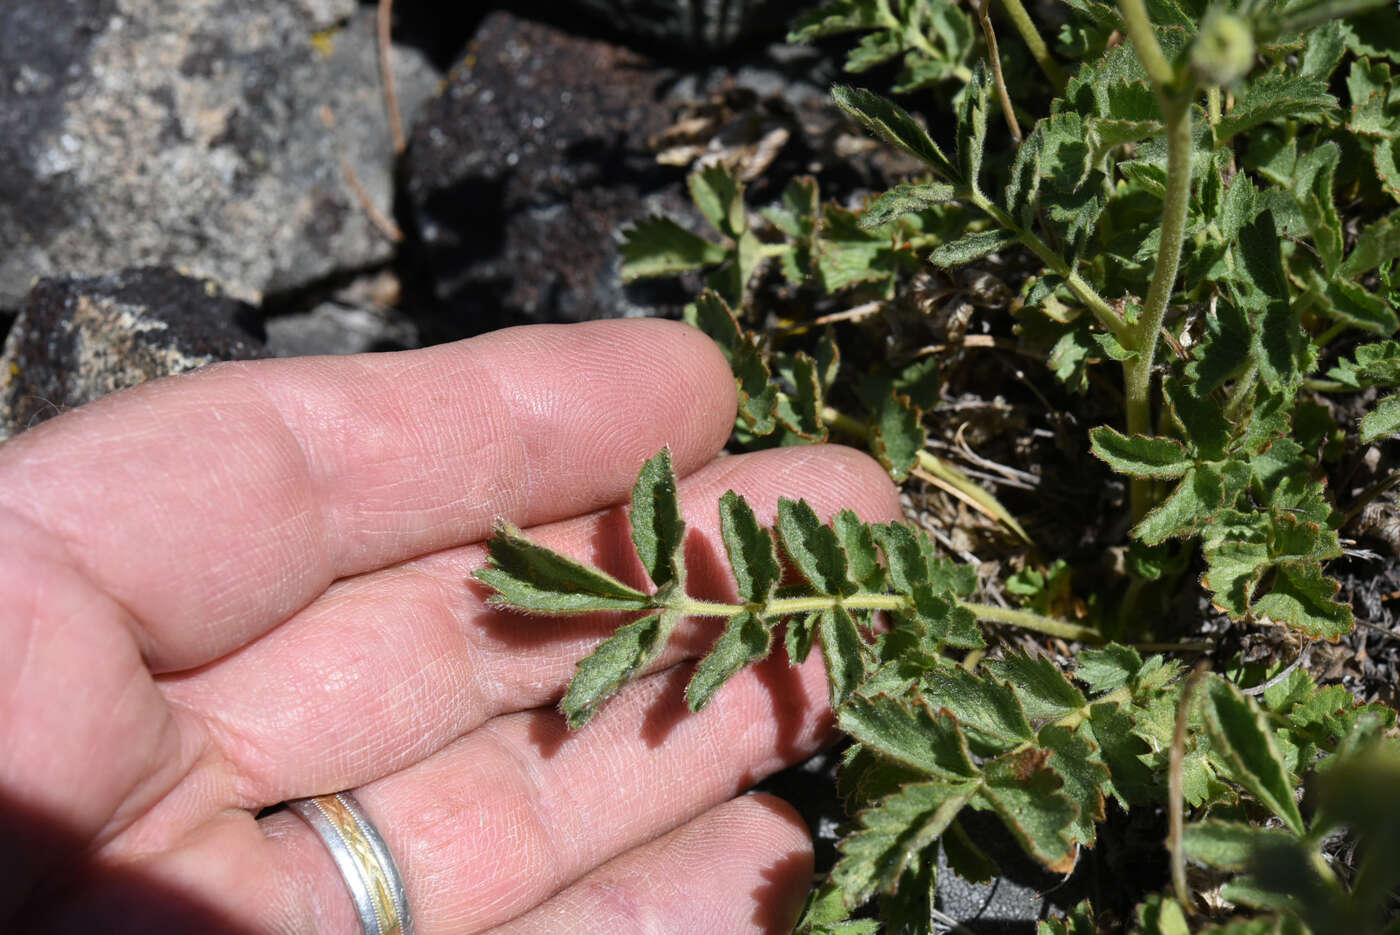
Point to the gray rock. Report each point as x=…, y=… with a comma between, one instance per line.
x=521, y=172
x=697, y=23
x=361, y=316
x=323, y=14
x=78, y=339
x=207, y=135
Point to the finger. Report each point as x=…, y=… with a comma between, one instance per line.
x=389, y=667
x=212, y=506
x=742, y=868
x=512, y=813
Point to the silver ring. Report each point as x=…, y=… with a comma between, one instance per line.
x=363, y=859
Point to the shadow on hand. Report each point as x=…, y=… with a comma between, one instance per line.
x=72, y=894
x=778, y=901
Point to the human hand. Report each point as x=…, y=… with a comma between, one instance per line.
x=250, y=584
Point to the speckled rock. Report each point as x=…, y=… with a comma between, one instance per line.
x=207, y=135
x=521, y=171
x=78, y=339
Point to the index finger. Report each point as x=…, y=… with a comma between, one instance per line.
x=212, y=506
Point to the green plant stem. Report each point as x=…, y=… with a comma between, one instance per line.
x=1325, y=386
x=1139, y=27
x=945, y=475
x=1176, y=107
x=1034, y=43
x=1240, y=391
x=1104, y=313
x=789, y=606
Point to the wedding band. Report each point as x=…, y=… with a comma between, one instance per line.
x=364, y=861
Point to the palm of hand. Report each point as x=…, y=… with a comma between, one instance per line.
x=247, y=585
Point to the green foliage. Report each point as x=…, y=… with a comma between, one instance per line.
x=1218, y=179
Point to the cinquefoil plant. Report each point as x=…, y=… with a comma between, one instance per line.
x=1217, y=180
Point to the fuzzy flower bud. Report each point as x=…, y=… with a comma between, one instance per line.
x=1224, y=49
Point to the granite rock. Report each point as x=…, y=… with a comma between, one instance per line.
x=520, y=173
x=77, y=339
x=207, y=135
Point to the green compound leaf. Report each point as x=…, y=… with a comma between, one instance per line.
x=831, y=19
x=857, y=540
x=813, y=548
x=1075, y=759
x=1277, y=96
x=1200, y=493
x=1244, y=740
x=745, y=640
x=800, y=634
x=1312, y=186
x=1379, y=243
x=758, y=396
x=1233, y=570
x=1371, y=365
x=1043, y=690
x=844, y=652
x=1025, y=794
x=1382, y=421
x=972, y=125
x=658, y=531
x=970, y=248
x=1109, y=668
x=713, y=316
x=800, y=413
x=1140, y=456
x=905, y=198
x=1302, y=598
x=1206, y=429
x=753, y=556
x=893, y=124
x=610, y=666
x=1353, y=304
x=909, y=733
x=1224, y=351
x=897, y=432
x=534, y=578
x=660, y=247
x=988, y=711
x=891, y=834
x=719, y=195
x=1281, y=346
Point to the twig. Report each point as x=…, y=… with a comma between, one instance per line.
x=1260, y=689
x=376, y=217
x=386, y=76
x=994, y=57
x=1175, y=797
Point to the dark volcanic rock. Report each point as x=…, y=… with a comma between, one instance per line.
x=206, y=134
x=81, y=338
x=521, y=171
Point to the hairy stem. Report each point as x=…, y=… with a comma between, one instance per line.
x=1034, y=43
x=790, y=606
x=1240, y=391
x=1176, y=107
x=1098, y=306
